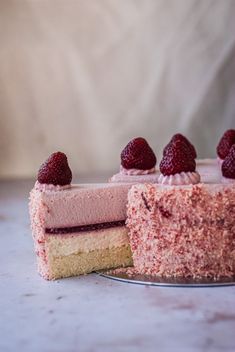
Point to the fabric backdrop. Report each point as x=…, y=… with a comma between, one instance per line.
x=85, y=76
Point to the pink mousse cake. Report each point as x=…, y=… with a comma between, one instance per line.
x=180, y=218
x=184, y=226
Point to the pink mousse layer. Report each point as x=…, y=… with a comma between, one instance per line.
x=81, y=205
x=182, y=230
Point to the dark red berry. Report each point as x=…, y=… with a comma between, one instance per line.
x=55, y=170
x=183, y=140
x=228, y=166
x=226, y=142
x=138, y=155
x=177, y=159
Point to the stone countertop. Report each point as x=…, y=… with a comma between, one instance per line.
x=91, y=313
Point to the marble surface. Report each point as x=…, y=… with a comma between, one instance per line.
x=91, y=313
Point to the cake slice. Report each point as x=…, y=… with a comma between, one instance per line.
x=79, y=229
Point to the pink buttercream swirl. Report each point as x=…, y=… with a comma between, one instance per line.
x=42, y=187
x=135, y=172
x=183, y=178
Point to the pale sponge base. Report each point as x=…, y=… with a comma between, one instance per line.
x=84, y=263
x=76, y=254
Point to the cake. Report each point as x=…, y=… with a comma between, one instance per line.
x=176, y=220
x=79, y=228
x=184, y=226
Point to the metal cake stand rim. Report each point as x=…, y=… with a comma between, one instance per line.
x=166, y=282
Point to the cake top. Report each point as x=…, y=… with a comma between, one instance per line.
x=225, y=144
x=55, y=170
x=178, y=165
x=138, y=155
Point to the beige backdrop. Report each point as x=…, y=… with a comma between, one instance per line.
x=85, y=76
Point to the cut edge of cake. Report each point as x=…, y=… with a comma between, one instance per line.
x=73, y=253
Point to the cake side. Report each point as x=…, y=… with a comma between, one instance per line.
x=184, y=231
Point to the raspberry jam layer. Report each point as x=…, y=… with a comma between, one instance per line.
x=84, y=228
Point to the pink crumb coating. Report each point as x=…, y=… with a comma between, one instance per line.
x=182, y=231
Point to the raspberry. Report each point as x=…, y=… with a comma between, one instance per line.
x=182, y=139
x=55, y=170
x=225, y=143
x=138, y=155
x=228, y=166
x=177, y=159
